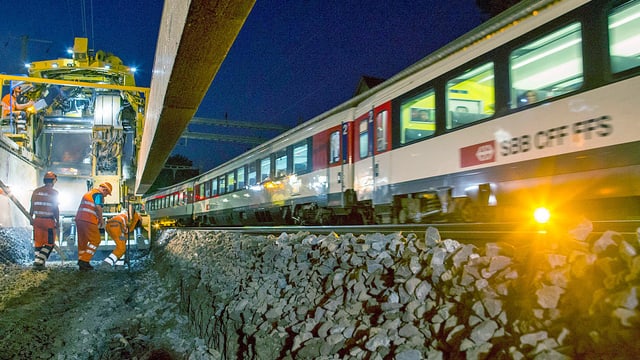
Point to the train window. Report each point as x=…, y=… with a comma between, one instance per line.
x=214, y=187
x=200, y=191
x=334, y=147
x=547, y=67
x=253, y=173
x=471, y=96
x=364, y=137
x=301, y=157
x=624, y=32
x=241, y=178
x=381, y=131
x=265, y=169
x=281, y=164
x=417, y=117
x=222, y=185
x=231, y=181
x=207, y=190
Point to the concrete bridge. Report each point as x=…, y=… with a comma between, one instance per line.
x=194, y=39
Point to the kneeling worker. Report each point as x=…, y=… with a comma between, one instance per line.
x=119, y=227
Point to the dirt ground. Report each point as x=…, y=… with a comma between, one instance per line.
x=63, y=313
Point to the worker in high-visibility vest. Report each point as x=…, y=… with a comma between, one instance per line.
x=89, y=221
x=118, y=228
x=45, y=217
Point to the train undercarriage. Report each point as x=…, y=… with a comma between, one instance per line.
x=480, y=203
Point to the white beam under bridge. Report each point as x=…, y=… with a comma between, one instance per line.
x=194, y=39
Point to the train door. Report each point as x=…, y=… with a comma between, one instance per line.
x=381, y=159
x=371, y=169
x=364, y=160
x=338, y=171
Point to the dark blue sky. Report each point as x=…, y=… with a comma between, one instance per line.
x=292, y=59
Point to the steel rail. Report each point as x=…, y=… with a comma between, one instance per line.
x=464, y=232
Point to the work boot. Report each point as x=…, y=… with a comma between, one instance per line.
x=38, y=266
x=84, y=265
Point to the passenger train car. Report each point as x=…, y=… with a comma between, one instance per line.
x=535, y=108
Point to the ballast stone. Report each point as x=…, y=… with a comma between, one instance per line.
x=388, y=296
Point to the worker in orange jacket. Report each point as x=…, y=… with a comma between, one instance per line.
x=89, y=221
x=45, y=217
x=119, y=227
x=10, y=103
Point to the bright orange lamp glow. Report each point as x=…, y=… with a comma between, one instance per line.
x=541, y=215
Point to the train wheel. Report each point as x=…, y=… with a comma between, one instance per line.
x=468, y=212
x=298, y=217
x=355, y=218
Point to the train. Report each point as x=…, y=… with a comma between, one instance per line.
x=530, y=116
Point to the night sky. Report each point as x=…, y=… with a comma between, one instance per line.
x=291, y=61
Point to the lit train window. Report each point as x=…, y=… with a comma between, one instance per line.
x=300, y=157
x=281, y=164
x=334, y=147
x=214, y=187
x=364, y=138
x=624, y=37
x=417, y=117
x=222, y=185
x=231, y=181
x=471, y=96
x=547, y=67
x=207, y=190
x=241, y=178
x=381, y=131
x=265, y=169
x=253, y=174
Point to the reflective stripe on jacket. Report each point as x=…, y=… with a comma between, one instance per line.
x=87, y=209
x=44, y=202
x=122, y=220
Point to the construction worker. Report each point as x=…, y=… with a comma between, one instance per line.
x=45, y=217
x=119, y=227
x=13, y=109
x=89, y=221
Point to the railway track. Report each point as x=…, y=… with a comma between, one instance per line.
x=464, y=232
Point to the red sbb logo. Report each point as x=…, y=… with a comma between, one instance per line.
x=478, y=154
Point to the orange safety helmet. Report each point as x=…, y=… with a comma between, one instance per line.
x=50, y=175
x=107, y=186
